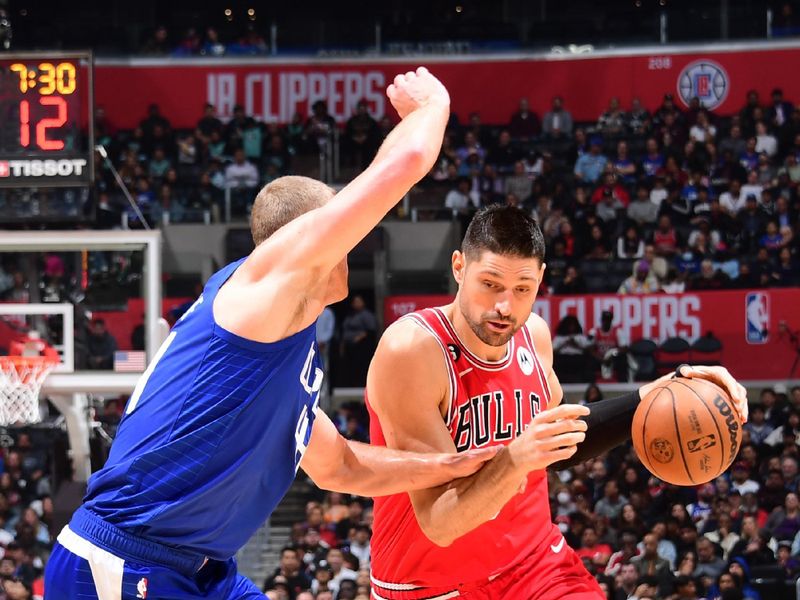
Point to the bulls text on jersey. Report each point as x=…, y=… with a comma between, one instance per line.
x=482, y=419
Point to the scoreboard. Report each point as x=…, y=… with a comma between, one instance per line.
x=46, y=119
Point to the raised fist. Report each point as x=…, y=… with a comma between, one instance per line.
x=416, y=89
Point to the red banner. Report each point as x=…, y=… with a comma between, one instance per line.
x=748, y=323
x=272, y=91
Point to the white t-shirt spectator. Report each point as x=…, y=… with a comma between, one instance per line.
x=244, y=175
x=731, y=203
x=747, y=486
x=752, y=189
x=456, y=200
x=657, y=195
x=767, y=143
x=702, y=134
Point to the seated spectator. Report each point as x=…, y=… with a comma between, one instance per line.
x=757, y=426
x=612, y=122
x=359, y=545
x=659, y=192
x=703, y=130
x=653, y=160
x=765, y=141
x=290, y=570
x=642, y=210
x=665, y=237
x=572, y=282
x=503, y=156
x=709, y=565
x=611, y=183
x=524, y=123
x=462, y=198
x=571, y=351
x=159, y=164
x=101, y=346
x=624, y=167
x=241, y=174
x=158, y=44
x=772, y=239
x=787, y=271
x=649, y=563
x=557, y=122
x=590, y=166
x=520, y=183
x=340, y=572
x=597, y=246
x=361, y=136
x=708, y=278
x=609, y=207
x=638, y=119
x=471, y=147
x=734, y=143
x=630, y=244
x=641, y=282
x=597, y=553
x=749, y=158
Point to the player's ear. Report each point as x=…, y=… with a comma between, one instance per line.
x=459, y=264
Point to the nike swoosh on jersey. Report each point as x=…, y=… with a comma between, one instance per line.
x=557, y=547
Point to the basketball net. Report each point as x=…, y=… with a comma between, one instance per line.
x=21, y=379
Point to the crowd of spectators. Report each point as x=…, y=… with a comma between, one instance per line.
x=26, y=518
x=737, y=537
x=685, y=199
x=676, y=199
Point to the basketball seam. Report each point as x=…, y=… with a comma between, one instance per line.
x=678, y=435
x=650, y=459
x=719, y=431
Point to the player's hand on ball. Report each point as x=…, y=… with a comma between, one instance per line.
x=719, y=376
x=466, y=463
x=415, y=89
x=552, y=436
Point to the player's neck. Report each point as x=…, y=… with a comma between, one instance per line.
x=467, y=337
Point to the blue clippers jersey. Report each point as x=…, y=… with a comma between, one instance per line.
x=212, y=436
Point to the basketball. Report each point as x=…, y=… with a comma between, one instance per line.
x=686, y=432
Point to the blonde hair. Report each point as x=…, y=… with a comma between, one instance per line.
x=282, y=201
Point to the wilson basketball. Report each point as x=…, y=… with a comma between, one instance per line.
x=687, y=431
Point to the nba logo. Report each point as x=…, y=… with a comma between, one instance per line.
x=756, y=315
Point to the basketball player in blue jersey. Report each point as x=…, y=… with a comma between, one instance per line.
x=226, y=412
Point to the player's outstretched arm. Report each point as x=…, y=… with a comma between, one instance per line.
x=320, y=239
x=339, y=465
x=406, y=386
x=609, y=423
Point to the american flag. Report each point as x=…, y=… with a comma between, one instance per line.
x=129, y=361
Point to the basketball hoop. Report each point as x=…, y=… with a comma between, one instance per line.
x=21, y=378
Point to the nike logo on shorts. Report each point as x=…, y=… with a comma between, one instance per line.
x=557, y=547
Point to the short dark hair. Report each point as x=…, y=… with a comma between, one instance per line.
x=289, y=549
x=506, y=230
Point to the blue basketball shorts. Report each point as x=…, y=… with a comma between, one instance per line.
x=78, y=568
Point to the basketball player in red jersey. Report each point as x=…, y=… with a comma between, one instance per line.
x=475, y=373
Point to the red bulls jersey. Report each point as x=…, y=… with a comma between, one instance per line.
x=490, y=403
x=607, y=340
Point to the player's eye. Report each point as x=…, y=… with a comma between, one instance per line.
x=523, y=290
x=489, y=285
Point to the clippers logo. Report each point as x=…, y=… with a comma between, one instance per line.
x=701, y=443
x=706, y=80
x=756, y=314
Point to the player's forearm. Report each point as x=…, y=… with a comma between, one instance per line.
x=456, y=508
x=378, y=471
x=420, y=135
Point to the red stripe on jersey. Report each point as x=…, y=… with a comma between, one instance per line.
x=492, y=405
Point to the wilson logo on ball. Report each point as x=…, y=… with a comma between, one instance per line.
x=730, y=421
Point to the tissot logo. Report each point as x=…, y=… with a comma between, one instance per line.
x=65, y=167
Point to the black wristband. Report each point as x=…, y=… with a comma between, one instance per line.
x=609, y=425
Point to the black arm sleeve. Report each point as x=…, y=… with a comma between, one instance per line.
x=609, y=425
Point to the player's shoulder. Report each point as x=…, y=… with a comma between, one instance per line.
x=406, y=337
x=538, y=328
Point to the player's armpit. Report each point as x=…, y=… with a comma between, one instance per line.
x=339, y=465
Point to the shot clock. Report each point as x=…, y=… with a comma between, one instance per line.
x=46, y=119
